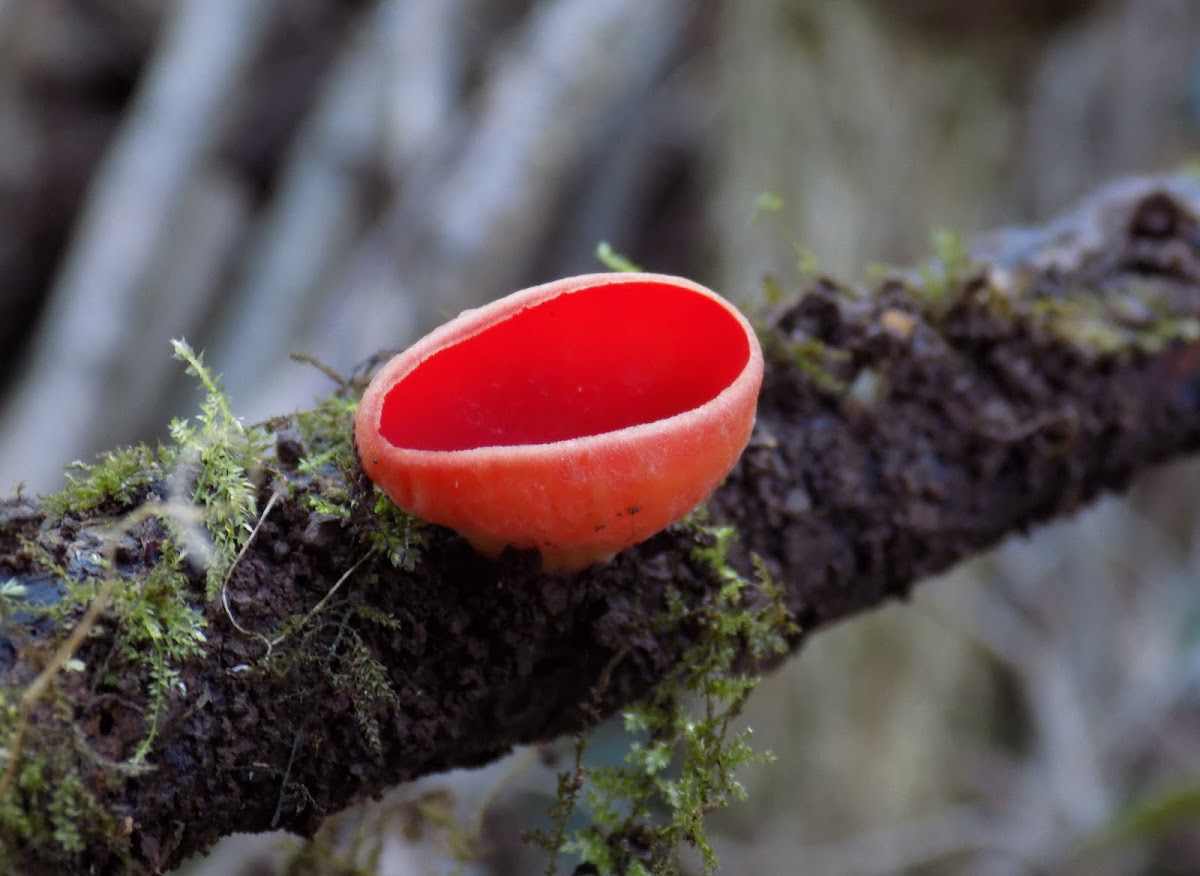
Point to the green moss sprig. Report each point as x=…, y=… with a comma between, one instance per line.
x=221, y=456
x=684, y=752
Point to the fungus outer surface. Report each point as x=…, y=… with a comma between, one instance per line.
x=578, y=417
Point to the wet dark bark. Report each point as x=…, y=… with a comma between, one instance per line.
x=899, y=431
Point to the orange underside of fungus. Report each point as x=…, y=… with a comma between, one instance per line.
x=578, y=418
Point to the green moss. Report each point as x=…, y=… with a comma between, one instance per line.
x=1080, y=321
x=331, y=643
x=330, y=464
x=13, y=599
x=812, y=357
x=684, y=753
x=365, y=679
x=219, y=456
x=806, y=263
x=327, y=431
x=161, y=630
x=1137, y=319
x=1168, y=330
x=772, y=293
x=159, y=626
x=950, y=265
x=396, y=534
x=613, y=260
x=935, y=280
x=52, y=802
x=116, y=481
x=1152, y=814
x=53, y=775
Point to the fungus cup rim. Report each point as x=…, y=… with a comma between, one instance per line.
x=452, y=332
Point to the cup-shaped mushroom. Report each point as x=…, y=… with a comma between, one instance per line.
x=579, y=417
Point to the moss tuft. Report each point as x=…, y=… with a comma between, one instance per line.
x=217, y=457
x=327, y=431
x=684, y=754
x=951, y=264
x=115, y=482
x=51, y=802
x=614, y=260
x=161, y=630
x=813, y=358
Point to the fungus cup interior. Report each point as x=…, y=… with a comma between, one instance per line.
x=586, y=362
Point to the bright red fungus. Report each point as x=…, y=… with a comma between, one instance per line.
x=578, y=417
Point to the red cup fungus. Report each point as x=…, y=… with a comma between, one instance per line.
x=579, y=417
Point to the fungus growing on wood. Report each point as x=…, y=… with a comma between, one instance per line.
x=579, y=417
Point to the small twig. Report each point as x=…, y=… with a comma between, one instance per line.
x=324, y=600
x=327, y=370
x=229, y=574
x=287, y=773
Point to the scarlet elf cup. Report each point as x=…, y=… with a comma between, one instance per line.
x=578, y=417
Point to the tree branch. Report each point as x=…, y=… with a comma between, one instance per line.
x=899, y=431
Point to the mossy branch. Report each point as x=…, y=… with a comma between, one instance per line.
x=267, y=642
